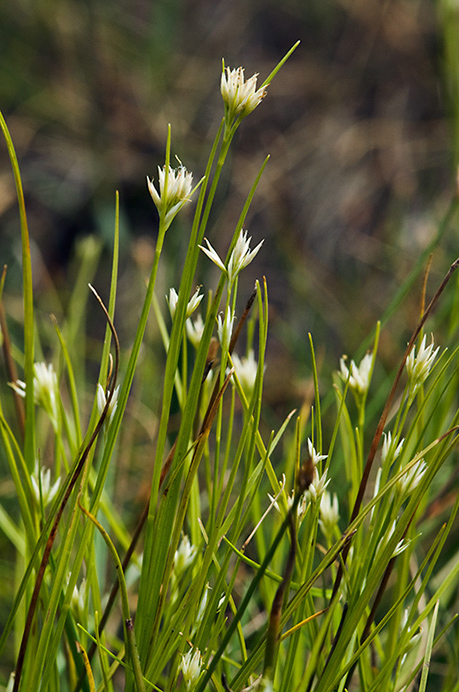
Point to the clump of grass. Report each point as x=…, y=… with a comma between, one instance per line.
x=253, y=564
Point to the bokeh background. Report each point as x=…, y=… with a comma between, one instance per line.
x=361, y=126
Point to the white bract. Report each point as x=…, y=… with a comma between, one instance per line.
x=193, y=303
x=194, y=330
x=184, y=555
x=246, y=370
x=41, y=478
x=315, y=457
x=329, y=513
x=390, y=449
x=175, y=189
x=240, y=95
x=412, y=478
x=318, y=485
x=240, y=257
x=102, y=401
x=418, y=367
x=191, y=667
x=225, y=328
x=45, y=392
x=358, y=377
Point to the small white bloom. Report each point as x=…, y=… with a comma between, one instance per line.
x=412, y=478
x=315, y=458
x=44, y=389
x=78, y=598
x=246, y=370
x=184, y=555
x=192, y=303
x=194, y=330
x=418, y=367
x=390, y=449
x=401, y=545
x=191, y=667
x=102, y=401
x=225, y=328
x=302, y=506
x=173, y=193
x=318, y=485
x=202, y=607
x=240, y=257
x=329, y=513
x=240, y=96
x=172, y=301
x=42, y=477
x=358, y=377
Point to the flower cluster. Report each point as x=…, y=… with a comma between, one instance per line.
x=175, y=188
x=418, y=367
x=190, y=665
x=193, y=303
x=45, y=390
x=358, y=377
x=240, y=257
x=240, y=96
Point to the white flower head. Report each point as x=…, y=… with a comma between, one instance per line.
x=240, y=96
x=45, y=392
x=240, y=257
x=191, y=667
x=202, y=607
x=225, y=328
x=193, y=303
x=78, y=598
x=175, y=189
x=418, y=367
x=317, y=487
x=246, y=370
x=172, y=301
x=194, y=330
x=358, y=377
x=41, y=480
x=329, y=513
x=315, y=457
x=390, y=449
x=184, y=555
x=408, y=482
x=102, y=401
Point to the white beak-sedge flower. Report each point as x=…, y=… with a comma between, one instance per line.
x=315, y=458
x=358, y=377
x=41, y=479
x=44, y=389
x=318, y=485
x=240, y=257
x=102, y=400
x=246, y=370
x=191, y=667
x=412, y=478
x=329, y=513
x=193, y=303
x=240, y=96
x=173, y=192
x=194, y=330
x=184, y=555
x=225, y=328
x=390, y=449
x=418, y=367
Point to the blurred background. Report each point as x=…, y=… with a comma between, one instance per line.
x=361, y=126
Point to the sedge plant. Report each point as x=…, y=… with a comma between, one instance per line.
x=306, y=558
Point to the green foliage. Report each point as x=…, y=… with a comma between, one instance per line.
x=344, y=578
